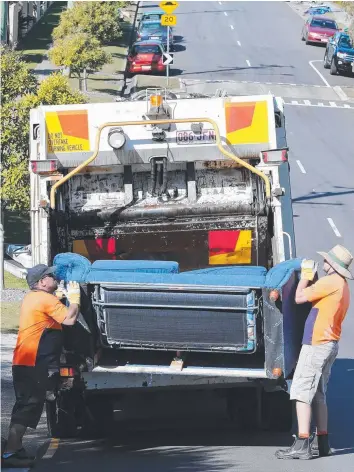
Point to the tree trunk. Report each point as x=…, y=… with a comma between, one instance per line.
x=85, y=81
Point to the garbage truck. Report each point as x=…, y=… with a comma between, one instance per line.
x=171, y=210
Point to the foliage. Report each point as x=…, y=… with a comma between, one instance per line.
x=349, y=8
x=16, y=79
x=79, y=52
x=99, y=20
x=15, y=128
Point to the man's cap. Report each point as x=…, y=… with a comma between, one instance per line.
x=340, y=259
x=36, y=273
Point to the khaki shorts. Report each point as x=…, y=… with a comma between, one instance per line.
x=312, y=372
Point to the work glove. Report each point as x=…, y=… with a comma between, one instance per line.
x=60, y=292
x=73, y=292
x=308, y=269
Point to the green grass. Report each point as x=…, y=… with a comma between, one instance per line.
x=10, y=314
x=14, y=282
x=35, y=44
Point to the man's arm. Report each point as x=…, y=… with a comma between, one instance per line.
x=72, y=315
x=300, y=296
x=73, y=297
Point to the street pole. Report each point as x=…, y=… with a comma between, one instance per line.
x=168, y=52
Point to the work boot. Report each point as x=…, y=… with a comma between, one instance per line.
x=323, y=446
x=314, y=445
x=16, y=460
x=299, y=450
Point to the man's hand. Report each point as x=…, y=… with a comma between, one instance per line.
x=308, y=269
x=60, y=292
x=73, y=293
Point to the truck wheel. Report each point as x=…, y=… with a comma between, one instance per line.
x=98, y=418
x=61, y=418
x=242, y=405
x=334, y=68
x=277, y=411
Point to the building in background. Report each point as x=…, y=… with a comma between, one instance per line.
x=17, y=19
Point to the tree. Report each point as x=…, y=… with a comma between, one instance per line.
x=16, y=78
x=15, y=127
x=349, y=8
x=99, y=20
x=80, y=52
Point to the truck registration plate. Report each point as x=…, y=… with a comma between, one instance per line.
x=188, y=137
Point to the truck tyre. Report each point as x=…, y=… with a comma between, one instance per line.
x=277, y=411
x=334, y=68
x=242, y=405
x=98, y=418
x=61, y=418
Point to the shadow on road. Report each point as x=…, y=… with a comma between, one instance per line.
x=315, y=195
x=237, y=68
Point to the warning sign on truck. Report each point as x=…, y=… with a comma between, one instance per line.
x=67, y=131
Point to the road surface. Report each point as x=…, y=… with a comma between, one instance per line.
x=247, y=41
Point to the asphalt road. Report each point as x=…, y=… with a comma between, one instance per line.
x=253, y=41
x=322, y=169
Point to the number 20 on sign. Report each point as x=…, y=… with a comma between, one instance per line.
x=168, y=20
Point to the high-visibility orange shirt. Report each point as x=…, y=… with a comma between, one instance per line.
x=330, y=302
x=40, y=331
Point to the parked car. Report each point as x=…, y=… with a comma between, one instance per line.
x=318, y=29
x=145, y=56
x=339, y=55
x=154, y=15
x=154, y=30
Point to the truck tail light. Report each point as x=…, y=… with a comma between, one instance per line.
x=275, y=156
x=45, y=167
x=67, y=372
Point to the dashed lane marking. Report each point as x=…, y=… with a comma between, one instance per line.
x=248, y=63
x=302, y=168
x=231, y=27
x=334, y=227
x=239, y=43
x=225, y=13
x=309, y=103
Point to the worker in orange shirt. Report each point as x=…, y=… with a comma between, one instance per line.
x=37, y=351
x=330, y=302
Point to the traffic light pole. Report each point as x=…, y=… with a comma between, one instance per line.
x=168, y=52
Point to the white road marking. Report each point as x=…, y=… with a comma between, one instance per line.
x=239, y=43
x=321, y=104
x=220, y=3
x=346, y=105
x=318, y=72
x=307, y=102
x=52, y=449
x=302, y=168
x=334, y=227
x=225, y=13
x=340, y=92
x=231, y=27
x=333, y=104
x=294, y=102
x=248, y=63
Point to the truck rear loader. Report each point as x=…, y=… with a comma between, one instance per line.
x=170, y=210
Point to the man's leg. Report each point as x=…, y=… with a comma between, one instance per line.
x=303, y=413
x=319, y=405
x=303, y=389
x=30, y=385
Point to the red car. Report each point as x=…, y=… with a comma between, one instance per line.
x=318, y=29
x=146, y=56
